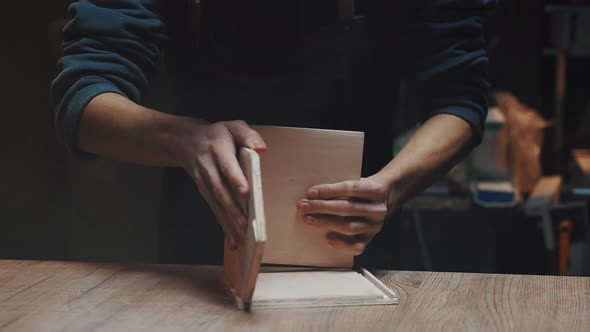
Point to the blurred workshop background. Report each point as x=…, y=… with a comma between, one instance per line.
x=518, y=204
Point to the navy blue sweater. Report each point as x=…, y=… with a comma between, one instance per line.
x=115, y=45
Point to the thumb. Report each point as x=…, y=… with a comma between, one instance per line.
x=246, y=136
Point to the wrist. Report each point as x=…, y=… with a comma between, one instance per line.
x=179, y=134
x=393, y=195
x=392, y=183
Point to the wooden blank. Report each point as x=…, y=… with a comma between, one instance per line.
x=289, y=287
x=297, y=159
x=319, y=288
x=241, y=266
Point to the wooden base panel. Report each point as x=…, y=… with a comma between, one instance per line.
x=316, y=288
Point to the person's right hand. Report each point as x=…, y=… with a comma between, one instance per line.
x=209, y=154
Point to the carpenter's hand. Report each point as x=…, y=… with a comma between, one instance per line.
x=350, y=213
x=209, y=152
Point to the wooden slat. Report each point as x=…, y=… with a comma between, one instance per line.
x=59, y=296
x=241, y=266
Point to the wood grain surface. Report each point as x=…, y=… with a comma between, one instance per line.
x=62, y=296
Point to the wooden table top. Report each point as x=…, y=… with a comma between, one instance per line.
x=50, y=296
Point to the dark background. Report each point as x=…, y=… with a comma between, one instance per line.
x=54, y=207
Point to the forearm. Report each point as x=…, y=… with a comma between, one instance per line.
x=431, y=152
x=115, y=127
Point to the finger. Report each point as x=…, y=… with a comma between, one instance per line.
x=223, y=222
x=224, y=154
x=346, y=226
x=221, y=201
x=364, y=189
x=203, y=187
x=230, y=207
x=354, y=245
x=343, y=208
x=246, y=136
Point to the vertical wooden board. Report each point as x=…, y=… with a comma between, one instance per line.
x=241, y=266
x=297, y=159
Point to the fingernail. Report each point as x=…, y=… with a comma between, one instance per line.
x=304, y=206
x=313, y=193
x=310, y=220
x=233, y=245
x=259, y=145
x=241, y=221
x=242, y=190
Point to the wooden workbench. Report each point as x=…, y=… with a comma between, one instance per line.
x=50, y=296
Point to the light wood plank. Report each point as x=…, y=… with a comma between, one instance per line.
x=318, y=288
x=296, y=160
x=241, y=266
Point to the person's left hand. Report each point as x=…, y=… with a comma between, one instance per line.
x=350, y=213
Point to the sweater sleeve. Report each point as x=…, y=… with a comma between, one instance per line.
x=109, y=46
x=445, y=61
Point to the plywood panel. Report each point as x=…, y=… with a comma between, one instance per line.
x=296, y=160
x=241, y=266
x=318, y=288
